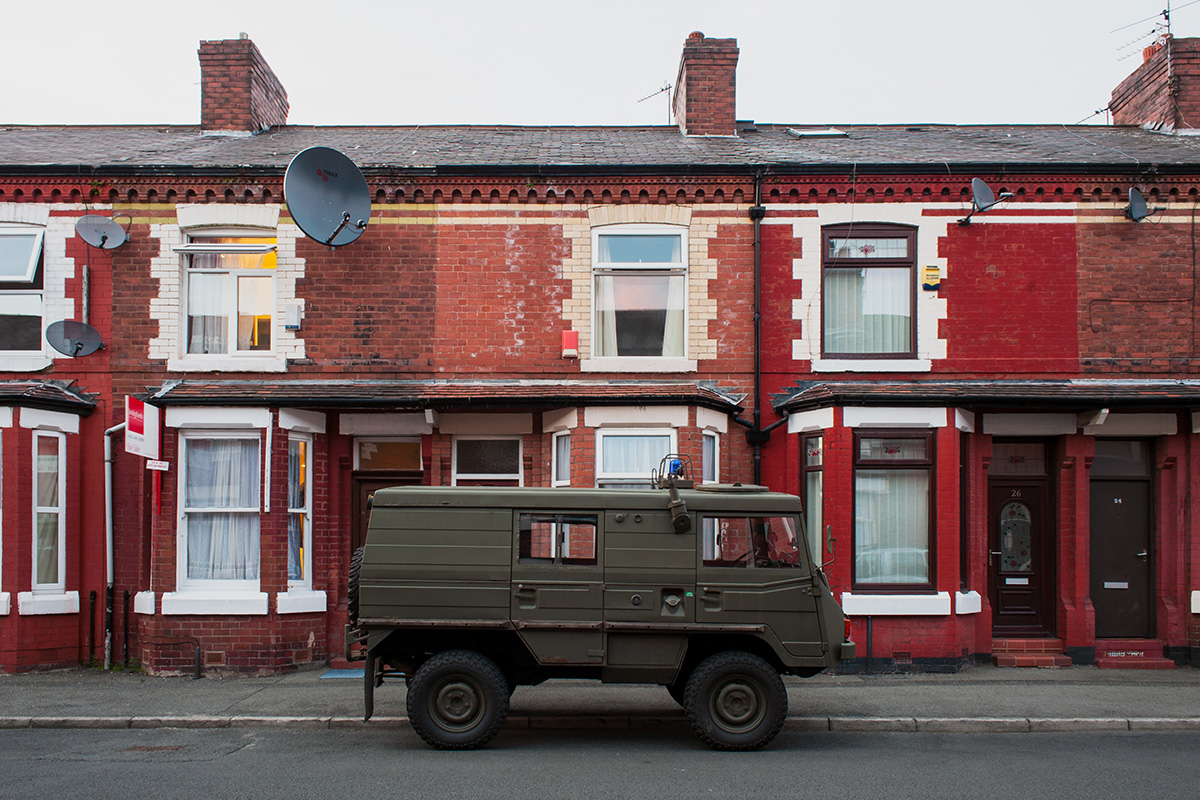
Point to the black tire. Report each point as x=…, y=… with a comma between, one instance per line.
x=458, y=700
x=356, y=560
x=735, y=701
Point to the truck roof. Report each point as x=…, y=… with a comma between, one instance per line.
x=711, y=497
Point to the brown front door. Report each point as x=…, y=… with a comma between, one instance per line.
x=1020, y=572
x=365, y=485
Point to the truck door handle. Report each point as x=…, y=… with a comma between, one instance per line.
x=526, y=596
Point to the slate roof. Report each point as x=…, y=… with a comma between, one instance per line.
x=1067, y=395
x=936, y=148
x=50, y=395
x=442, y=394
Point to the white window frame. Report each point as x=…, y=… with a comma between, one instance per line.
x=659, y=363
x=22, y=285
x=715, y=437
x=554, y=459
x=208, y=596
x=305, y=579
x=628, y=479
x=519, y=476
x=196, y=245
x=60, y=585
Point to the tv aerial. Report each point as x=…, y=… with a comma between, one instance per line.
x=73, y=338
x=1137, y=210
x=982, y=199
x=327, y=196
x=101, y=232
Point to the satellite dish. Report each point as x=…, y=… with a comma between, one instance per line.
x=327, y=196
x=982, y=199
x=1137, y=209
x=100, y=232
x=73, y=338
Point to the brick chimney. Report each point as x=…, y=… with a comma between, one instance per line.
x=1164, y=91
x=705, y=87
x=238, y=90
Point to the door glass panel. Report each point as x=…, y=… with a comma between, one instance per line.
x=1016, y=538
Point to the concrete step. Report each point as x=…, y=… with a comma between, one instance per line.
x=1041, y=652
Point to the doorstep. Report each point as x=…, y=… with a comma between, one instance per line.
x=1131, y=654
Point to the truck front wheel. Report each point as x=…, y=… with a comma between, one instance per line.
x=458, y=700
x=735, y=701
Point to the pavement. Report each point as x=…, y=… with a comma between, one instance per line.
x=980, y=699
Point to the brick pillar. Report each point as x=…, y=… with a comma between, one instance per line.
x=238, y=90
x=705, y=88
x=1164, y=90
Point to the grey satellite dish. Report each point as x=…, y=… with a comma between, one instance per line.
x=100, y=232
x=1137, y=209
x=327, y=196
x=73, y=338
x=982, y=199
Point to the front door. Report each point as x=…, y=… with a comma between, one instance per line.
x=1020, y=572
x=1121, y=555
x=366, y=484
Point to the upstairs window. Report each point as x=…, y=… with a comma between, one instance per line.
x=21, y=288
x=231, y=299
x=639, y=291
x=869, y=291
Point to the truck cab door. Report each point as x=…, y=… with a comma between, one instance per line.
x=752, y=572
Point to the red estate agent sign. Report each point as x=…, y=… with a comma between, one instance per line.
x=141, y=428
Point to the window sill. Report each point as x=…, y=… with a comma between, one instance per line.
x=143, y=603
x=1196, y=602
x=872, y=365
x=967, y=603
x=33, y=604
x=299, y=600
x=637, y=364
x=897, y=605
x=247, y=602
x=227, y=364
x=5, y=604
x=22, y=363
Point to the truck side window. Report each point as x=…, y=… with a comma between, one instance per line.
x=750, y=542
x=547, y=538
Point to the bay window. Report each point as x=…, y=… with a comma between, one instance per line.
x=220, y=508
x=487, y=461
x=300, y=511
x=625, y=459
x=892, y=509
x=49, y=553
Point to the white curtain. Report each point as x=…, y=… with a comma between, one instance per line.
x=868, y=311
x=891, y=532
x=676, y=305
x=606, y=316
x=208, y=319
x=222, y=474
x=634, y=455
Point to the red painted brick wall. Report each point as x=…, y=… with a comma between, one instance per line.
x=1010, y=292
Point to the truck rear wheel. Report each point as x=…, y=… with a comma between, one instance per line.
x=735, y=701
x=458, y=700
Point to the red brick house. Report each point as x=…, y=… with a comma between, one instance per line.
x=991, y=422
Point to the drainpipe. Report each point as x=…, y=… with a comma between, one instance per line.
x=108, y=541
x=756, y=434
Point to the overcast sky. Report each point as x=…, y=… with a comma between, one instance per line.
x=531, y=62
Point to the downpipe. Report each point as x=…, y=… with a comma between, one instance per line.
x=108, y=542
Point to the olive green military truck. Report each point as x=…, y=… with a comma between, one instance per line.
x=467, y=593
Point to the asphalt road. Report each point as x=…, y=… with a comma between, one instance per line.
x=525, y=765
